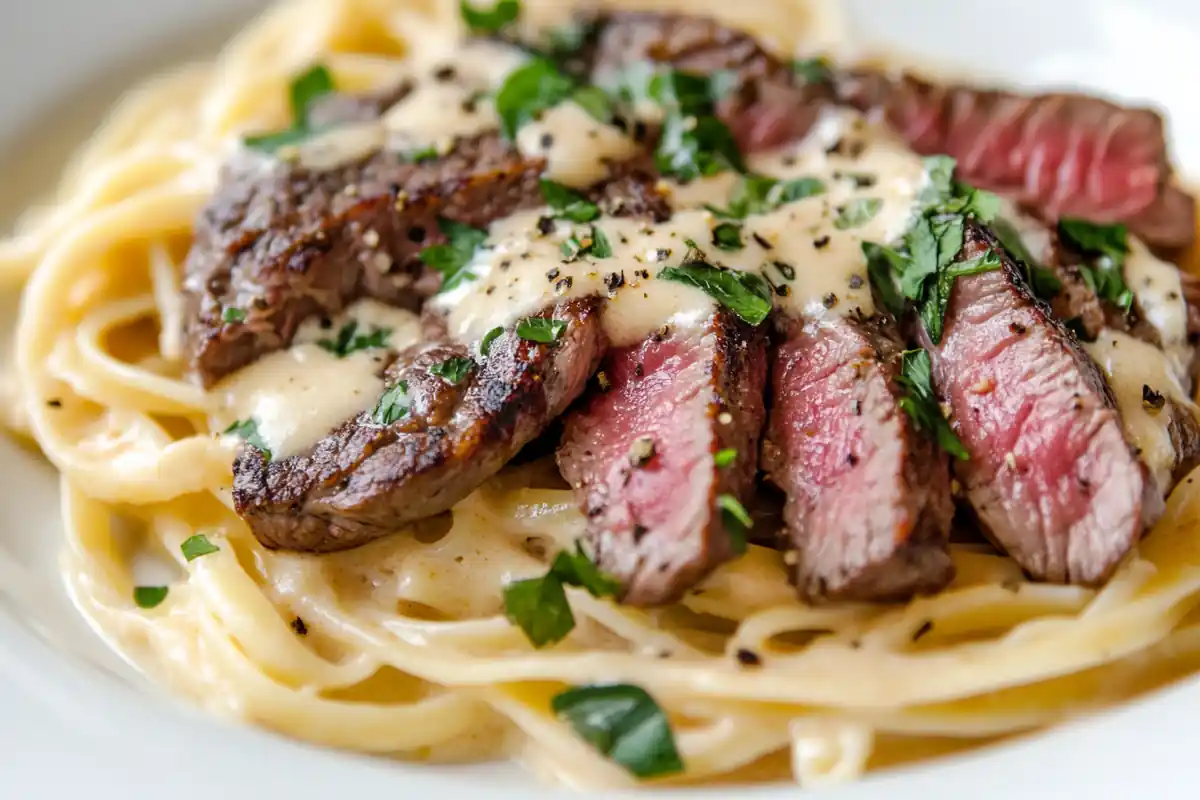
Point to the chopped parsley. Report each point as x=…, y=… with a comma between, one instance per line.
x=756, y=194
x=149, y=596
x=393, y=405
x=624, y=723
x=737, y=521
x=1106, y=246
x=541, y=329
x=422, y=155
x=453, y=259
x=883, y=263
x=857, y=212
x=349, y=340
x=453, y=370
x=539, y=605
x=728, y=236
x=937, y=296
x=568, y=204
x=232, y=314
x=305, y=90
x=539, y=85
x=247, y=431
x=916, y=376
x=1042, y=280
x=493, y=20
x=601, y=247
x=595, y=102
x=743, y=293
x=813, y=70
x=195, y=546
x=485, y=344
x=594, y=244
x=723, y=458
x=694, y=142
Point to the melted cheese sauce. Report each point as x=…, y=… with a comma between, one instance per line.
x=300, y=394
x=1158, y=288
x=576, y=146
x=1131, y=364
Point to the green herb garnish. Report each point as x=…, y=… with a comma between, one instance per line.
x=528, y=92
x=350, y=341
x=149, y=596
x=933, y=308
x=1042, y=280
x=247, y=431
x=232, y=314
x=485, y=344
x=539, y=605
x=916, y=376
x=493, y=20
x=422, y=155
x=883, y=264
x=1106, y=246
x=743, y=293
x=723, y=458
x=568, y=204
x=304, y=91
x=393, y=405
x=728, y=236
x=737, y=520
x=195, y=546
x=813, y=70
x=857, y=212
x=453, y=370
x=453, y=259
x=601, y=247
x=694, y=142
x=756, y=194
x=541, y=329
x=624, y=723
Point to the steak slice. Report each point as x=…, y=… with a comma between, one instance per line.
x=280, y=243
x=367, y=479
x=868, y=508
x=1050, y=474
x=768, y=108
x=640, y=453
x=1062, y=154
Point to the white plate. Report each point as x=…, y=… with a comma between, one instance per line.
x=73, y=718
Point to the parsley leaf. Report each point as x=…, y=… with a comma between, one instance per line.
x=247, y=431
x=883, y=263
x=916, y=376
x=393, y=405
x=933, y=308
x=728, y=236
x=422, y=155
x=1042, y=280
x=757, y=194
x=232, y=314
x=577, y=569
x=737, y=521
x=694, y=143
x=350, y=341
x=539, y=605
x=743, y=293
x=723, y=458
x=601, y=247
x=498, y=17
x=149, y=596
x=528, y=91
x=541, y=329
x=195, y=546
x=813, y=70
x=857, y=212
x=485, y=344
x=305, y=89
x=1107, y=246
x=568, y=204
x=453, y=370
x=624, y=723
x=453, y=259
x=595, y=101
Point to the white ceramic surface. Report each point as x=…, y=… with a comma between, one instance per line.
x=74, y=721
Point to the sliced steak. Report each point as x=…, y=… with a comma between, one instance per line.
x=868, y=497
x=769, y=107
x=280, y=243
x=1050, y=474
x=1061, y=154
x=367, y=479
x=640, y=453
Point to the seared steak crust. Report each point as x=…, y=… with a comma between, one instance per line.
x=1050, y=474
x=366, y=479
x=868, y=497
x=641, y=453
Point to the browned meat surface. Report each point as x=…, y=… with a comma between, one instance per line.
x=1062, y=154
x=868, y=497
x=1050, y=474
x=280, y=243
x=372, y=476
x=642, y=454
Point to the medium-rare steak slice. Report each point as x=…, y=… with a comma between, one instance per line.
x=671, y=430
x=1065, y=155
x=1050, y=473
x=868, y=511
x=435, y=435
x=280, y=242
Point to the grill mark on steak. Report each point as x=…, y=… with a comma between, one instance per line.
x=365, y=480
x=1062, y=154
x=282, y=243
x=1050, y=475
x=868, y=508
x=640, y=454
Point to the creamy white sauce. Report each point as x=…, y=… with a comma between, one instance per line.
x=577, y=147
x=522, y=268
x=435, y=114
x=298, y=395
x=1131, y=364
x=1158, y=289
x=337, y=147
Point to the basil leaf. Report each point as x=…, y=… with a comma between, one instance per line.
x=737, y=521
x=528, y=91
x=541, y=329
x=728, y=236
x=883, y=264
x=857, y=212
x=723, y=458
x=683, y=92
x=453, y=259
x=539, y=607
x=498, y=17
x=350, y=341
x=756, y=194
x=393, y=405
x=624, y=723
x=578, y=569
x=485, y=344
x=453, y=370
x=743, y=293
x=1107, y=246
x=232, y=314
x=568, y=204
x=247, y=431
x=304, y=90
x=195, y=546
x=916, y=376
x=813, y=70
x=696, y=147
x=939, y=171
x=149, y=596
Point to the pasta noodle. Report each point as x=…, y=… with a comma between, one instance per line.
x=405, y=650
